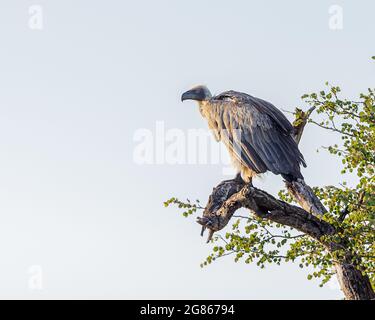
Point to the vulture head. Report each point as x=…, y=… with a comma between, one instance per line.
x=198, y=93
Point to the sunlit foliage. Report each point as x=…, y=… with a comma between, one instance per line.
x=351, y=208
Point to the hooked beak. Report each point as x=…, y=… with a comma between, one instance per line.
x=193, y=94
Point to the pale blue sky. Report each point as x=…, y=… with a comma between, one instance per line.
x=72, y=200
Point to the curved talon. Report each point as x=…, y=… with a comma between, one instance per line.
x=210, y=234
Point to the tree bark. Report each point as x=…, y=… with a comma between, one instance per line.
x=230, y=195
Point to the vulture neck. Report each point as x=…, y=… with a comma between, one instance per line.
x=204, y=107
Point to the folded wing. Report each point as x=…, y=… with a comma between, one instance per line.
x=257, y=134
